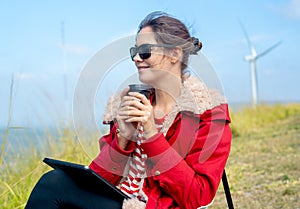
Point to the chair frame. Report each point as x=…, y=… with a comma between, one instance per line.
x=227, y=191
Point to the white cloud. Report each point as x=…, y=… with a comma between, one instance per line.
x=30, y=76
x=76, y=49
x=292, y=9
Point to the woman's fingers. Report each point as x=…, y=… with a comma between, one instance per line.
x=141, y=97
x=129, y=101
x=135, y=107
x=140, y=102
x=133, y=113
x=141, y=119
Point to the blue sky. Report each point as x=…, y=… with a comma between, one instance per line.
x=31, y=47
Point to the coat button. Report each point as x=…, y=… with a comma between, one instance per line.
x=157, y=173
x=114, y=168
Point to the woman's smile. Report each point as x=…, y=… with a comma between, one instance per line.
x=142, y=68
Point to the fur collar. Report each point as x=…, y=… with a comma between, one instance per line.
x=195, y=97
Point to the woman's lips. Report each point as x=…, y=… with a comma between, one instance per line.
x=142, y=68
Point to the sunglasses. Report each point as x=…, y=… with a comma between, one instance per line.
x=144, y=50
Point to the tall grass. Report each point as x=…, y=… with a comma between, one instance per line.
x=22, y=168
x=262, y=169
x=3, y=144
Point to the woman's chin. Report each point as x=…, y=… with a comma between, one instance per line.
x=145, y=79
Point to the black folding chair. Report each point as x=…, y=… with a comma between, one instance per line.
x=227, y=190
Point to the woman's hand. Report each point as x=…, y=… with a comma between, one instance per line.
x=136, y=108
x=126, y=129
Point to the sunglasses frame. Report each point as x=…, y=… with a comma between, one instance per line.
x=146, y=54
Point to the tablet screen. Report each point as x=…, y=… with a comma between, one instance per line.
x=87, y=178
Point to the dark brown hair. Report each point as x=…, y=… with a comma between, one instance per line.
x=169, y=30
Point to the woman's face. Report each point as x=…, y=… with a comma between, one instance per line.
x=152, y=69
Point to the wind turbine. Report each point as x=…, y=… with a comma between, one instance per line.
x=252, y=58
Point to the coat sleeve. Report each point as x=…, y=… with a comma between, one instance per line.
x=111, y=160
x=190, y=168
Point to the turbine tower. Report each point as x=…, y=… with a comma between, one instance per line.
x=65, y=81
x=252, y=58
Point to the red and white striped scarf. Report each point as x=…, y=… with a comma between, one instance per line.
x=133, y=183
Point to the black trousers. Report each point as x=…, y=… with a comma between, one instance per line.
x=56, y=190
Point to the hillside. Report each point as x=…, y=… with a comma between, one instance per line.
x=263, y=168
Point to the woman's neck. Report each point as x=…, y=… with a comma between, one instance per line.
x=167, y=89
x=164, y=101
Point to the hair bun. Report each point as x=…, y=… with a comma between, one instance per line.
x=197, y=45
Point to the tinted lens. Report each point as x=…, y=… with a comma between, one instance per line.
x=144, y=51
x=133, y=52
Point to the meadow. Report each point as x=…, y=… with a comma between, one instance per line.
x=263, y=168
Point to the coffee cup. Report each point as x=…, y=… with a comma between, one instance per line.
x=141, y=88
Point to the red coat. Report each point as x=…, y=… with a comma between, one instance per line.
x=185, y=164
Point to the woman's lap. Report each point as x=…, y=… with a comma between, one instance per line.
x=56, y=190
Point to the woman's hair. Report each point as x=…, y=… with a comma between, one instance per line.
x=169, y=30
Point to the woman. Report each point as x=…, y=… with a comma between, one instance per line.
x=168, y=151
x=191, y=117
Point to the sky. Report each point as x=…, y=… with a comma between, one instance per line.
x=44, y=75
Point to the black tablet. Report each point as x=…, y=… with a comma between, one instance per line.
x=87, y=178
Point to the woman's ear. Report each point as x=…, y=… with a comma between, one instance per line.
x=176, y=55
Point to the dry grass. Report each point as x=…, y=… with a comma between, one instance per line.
x=263, y=168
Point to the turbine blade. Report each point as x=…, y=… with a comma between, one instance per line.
x=251, y=47
x=268, y=50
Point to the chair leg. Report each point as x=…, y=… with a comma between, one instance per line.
x=227, y=190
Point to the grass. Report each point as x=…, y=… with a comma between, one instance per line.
x=20, y=170
x=263, y=168
x=3, y=144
